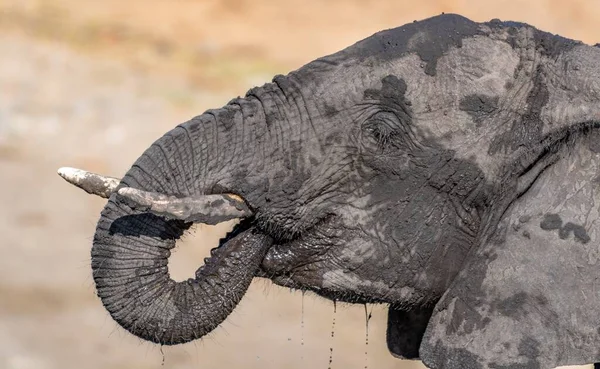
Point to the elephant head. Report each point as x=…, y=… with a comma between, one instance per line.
x=446, y=167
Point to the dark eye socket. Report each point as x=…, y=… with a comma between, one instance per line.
x=382, y=127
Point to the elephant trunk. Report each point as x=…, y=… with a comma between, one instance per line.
x=131, y=248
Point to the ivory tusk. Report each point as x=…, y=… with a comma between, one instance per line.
x=207, y=209
x=91, y=183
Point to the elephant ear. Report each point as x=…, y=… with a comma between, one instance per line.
x=529, y=295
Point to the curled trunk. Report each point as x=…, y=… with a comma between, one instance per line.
x=131, y=249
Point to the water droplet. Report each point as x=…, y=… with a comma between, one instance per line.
x=332, y=334
x=367, y=318
x=163, y=356
x=302, y=330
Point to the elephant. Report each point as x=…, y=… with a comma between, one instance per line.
x=447, y=168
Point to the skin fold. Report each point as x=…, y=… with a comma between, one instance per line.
x=446, y=167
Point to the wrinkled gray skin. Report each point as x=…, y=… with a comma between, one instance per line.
x=446, y=167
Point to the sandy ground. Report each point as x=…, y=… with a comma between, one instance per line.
x=91, y=84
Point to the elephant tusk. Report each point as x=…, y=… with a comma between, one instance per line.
x=91, y=183
x=207, y=209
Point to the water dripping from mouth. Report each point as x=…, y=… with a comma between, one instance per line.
x=332, y=334
x=367, y=318
x=163, y=356
x=302, y=330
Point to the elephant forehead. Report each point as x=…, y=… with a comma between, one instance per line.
x=479, y=71
x=496, y=90
x=450, y=107
x=482, y=65
x=467, y=103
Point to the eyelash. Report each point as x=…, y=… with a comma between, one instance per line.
x=380, y=128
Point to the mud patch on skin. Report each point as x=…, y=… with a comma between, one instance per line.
x=466, y=326
x=553, y=222
x=513, y=306
x=462, y=358
x=329, y=111
x=479, y=107
x=524, y=218
x=430, y=39
x=529, y=349
x=553, y=45
x=527, y=130
x=579, y=232
x=594, y=141
x=392, y=94
x=546, y=43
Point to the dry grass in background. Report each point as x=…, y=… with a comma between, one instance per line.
x=91, y=83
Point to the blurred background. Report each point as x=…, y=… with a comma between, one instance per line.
x=90, y=84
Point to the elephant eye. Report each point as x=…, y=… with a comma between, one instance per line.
x=382, y=128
